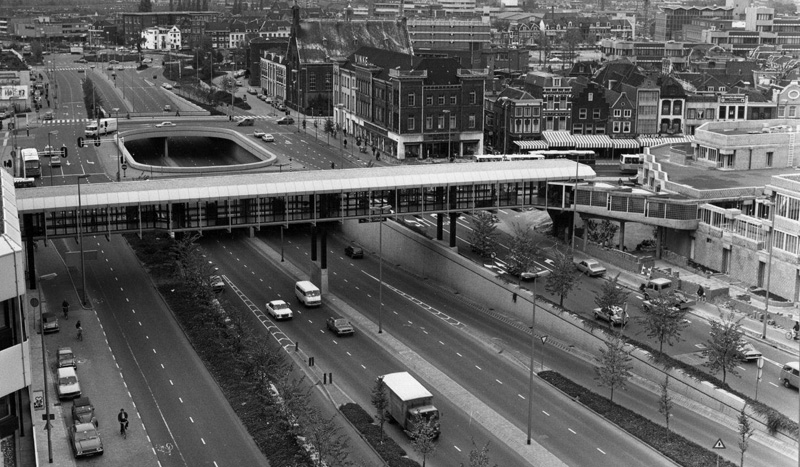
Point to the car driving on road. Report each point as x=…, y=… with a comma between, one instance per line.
x=267, y=137
x=591, y=267
x=258, y=133
x=285, y=121
x=165, y=124
x=278, y=309
x=354, y=251
x=340, y=326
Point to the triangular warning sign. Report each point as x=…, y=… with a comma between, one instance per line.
x=719, y=444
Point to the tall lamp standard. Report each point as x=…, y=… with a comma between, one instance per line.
x=48, y=426
x=446, y=113
x=117, y=142
x=50, y=148
x=771, y=204
x=80, y=240
x=539, y=274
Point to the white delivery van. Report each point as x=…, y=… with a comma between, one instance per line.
x=307, y=293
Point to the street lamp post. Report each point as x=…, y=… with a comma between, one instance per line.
x=48, y=426
x=447, y=122
x=80, y=240
x=50, y=154
x=116, y=137
x=771, y=204
x=539, y=274
x=380, y=276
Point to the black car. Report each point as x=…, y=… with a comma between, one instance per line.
x=83, y=411
x=285, y=121
x=354, y=252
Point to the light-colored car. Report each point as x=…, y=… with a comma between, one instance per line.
x=68, y=384
x=251, y=91
x=49, y=322
x=790, y=374
x=217, y=284
x=166, y=86
x=340, y=326
x=258, y=133
x=120, y=67
x=591, y=267
x=614, y=315
x=279, y=309
x=85, y=440
x=748, y=352
x=165, y=124
x=66, y=358
x=268, y=138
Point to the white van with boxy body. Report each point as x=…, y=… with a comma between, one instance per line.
x=307, y=293
x=790, y=374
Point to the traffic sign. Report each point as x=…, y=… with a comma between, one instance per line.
x=97, y=143
x=719, y=444
x=34, y=302
x=80, y=142
x=124, y=166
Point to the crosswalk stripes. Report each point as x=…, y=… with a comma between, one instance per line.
x=83, y=68
x=66, y=121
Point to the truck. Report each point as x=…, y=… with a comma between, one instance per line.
x=662, y=286
x=106, y=126
x=408, y=398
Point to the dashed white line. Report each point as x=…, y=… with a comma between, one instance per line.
x=457, y=449
x=601, y=451
x=162, y=366
x=545, y=413
x=362, y=366
x=171, y=383
x=498, y=381
x=476, y=366
x=180, y=399
x=191, y=419
x=204, y=442
x=572, y=431
x=459, y=354
x=441, y=342
x=154, y=351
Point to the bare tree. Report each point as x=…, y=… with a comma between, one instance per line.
x=722, y=349
x=746, y=430
x=662, y=320
x=482, y=237
x=479, y=457
x=615, y=365
x=665, y=404
x=380, y=400
x=423, y=436
x=563, y=277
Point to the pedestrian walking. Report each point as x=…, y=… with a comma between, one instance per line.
x=701, y=293
x=80, y=330
x=122, y=418
x=65, y=308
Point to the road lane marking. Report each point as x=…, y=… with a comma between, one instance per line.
x=545, y=413
x=572, y=431
x=191, y=419
x=521, y=396
x=459, y=354
x=476, y=366
x=498, y=381
x=459, y=450
x=180, y=399
x=603, y=452
x=441, y=342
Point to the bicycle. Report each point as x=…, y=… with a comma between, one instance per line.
x=123, y=429
x=791, y=336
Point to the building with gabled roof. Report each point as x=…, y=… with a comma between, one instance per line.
x=314, y=47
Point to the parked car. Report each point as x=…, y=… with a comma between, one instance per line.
x=748, y=352
x=591, y=267
x=113, y=62
x=49, y=322
x=217, y=284
x=261, y=96
x=251, y=91
x=167, y=108
x=68, y=384
x=258, y=133
x=80, y=60
x=164, y=124
x=285, y=121
x=83, y=411
x=120, y=67
x=340, y=326
x=354, y=251
x=247, y=121
x=614, y=315
x=268, y=138
x=85, y=440
x=66, y=358
x=278, y=309
x=281, y=106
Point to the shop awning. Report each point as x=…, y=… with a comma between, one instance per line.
x=559, y=139
x=532, y=145
x=625, y=143
x=649, y=142
x=591, y=141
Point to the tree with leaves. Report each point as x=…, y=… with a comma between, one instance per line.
x=602, y=233
x=522, y=250
x=145, y=6
x=479, y=457
x=662, y=320
x=665, y=403
x=423, y=436
x=572, y=38
x=615, y=365
x=483, y=236
x=746, y=430
x=325, y=438
x=722, y=348
x=611, y=295
x=562, y=278
x=380, y=400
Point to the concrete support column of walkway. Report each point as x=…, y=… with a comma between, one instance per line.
x=166, y=147
x=323, y=248
x=621, y=235
x=27, y=220
x=585, y=237
x=313, y=243
x=659, y=239
x=453, y=219
x=439, y=226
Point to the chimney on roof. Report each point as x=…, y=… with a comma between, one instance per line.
x=348, y=13
x=295, y=19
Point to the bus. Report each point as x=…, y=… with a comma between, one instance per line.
x=76, y=50
x=508, y=157
x=31, y=164
x=630, y=164
x=579, y=155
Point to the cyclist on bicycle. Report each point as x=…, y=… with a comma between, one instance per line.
x=122, y=418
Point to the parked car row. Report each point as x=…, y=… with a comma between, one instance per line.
x=84, y=438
